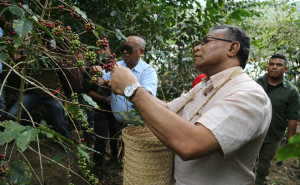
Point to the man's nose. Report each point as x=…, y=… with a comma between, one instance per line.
x=197, y=48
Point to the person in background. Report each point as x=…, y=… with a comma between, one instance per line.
x=217, y=128
x=35, y=96
x=285, y=113
x=132, y=49
x=103, y=119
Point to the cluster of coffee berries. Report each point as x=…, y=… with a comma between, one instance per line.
x=111, y=62
x=47, y=24
x=58, y=31
x=84, y=47
x=99, y=74
x=74, y=45
x=91, y=57
x=82, y=163
x=8, y=26
x=68, y=29
x=89, y=27
x=62, y=7
x=3, y=168
x=108, y=67
x=7, y=57
x=80, y=63
x=58, y=22
x=72, y=11
x=5, y=3
x=102, y=43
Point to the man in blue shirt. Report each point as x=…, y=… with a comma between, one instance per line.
x=132, y=49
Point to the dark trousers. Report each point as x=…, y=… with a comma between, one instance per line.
x=107, y=127
x=266, y=155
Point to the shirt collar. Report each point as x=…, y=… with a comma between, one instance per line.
x=220, y=77
x=283, y=81
x=138, y=67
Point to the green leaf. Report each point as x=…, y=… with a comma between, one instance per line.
x=84, y=153
x=37, y=38
x=238, y=14
x=2, y=56
x=89, y=100
x=132, y=117
x=22, y=26
x=83, y=15
x=18, y=40
x=59, y=157
x=4, y=10
x=113, y=13
x=11, y=132
x=19, y=173
x=17, y=11
x=2, y=47
x=291, y=150
x=99, y=30
x=26, y=137
x=120, y=35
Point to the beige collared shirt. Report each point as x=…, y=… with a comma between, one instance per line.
x=238, y=115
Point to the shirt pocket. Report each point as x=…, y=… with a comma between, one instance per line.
x=280, y=104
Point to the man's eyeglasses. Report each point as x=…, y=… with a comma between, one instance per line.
x=128, y=48
x=208, y=38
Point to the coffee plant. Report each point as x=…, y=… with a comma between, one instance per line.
x=37, y=37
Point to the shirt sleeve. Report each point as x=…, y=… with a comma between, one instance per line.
x=149, y=80
x=238, y=118
x=293, y=112
x=106, y=75
x=177, y=103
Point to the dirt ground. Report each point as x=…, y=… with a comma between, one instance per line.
x=54, y=174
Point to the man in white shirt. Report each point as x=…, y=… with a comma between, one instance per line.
x=217, y=128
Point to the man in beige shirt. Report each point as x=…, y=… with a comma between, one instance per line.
x=217, y=128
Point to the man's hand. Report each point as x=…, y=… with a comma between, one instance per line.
x=120, y=78
x=94, y=70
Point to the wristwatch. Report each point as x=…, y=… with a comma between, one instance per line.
x=130, y=90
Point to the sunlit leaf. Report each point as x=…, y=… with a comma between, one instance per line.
x=22, y=26
x=83, y=15
x=291, y=150
x=89, y=100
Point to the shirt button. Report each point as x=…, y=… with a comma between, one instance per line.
x=205, y=94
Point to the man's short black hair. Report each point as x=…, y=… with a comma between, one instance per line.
x=237, y=34
x=281, y=56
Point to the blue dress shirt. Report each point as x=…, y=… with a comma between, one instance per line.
x=147, y=77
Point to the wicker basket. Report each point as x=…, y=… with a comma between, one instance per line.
x=146, y=160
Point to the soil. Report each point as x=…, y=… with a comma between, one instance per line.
x=54, y=174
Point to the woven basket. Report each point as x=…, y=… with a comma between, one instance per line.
x=146, y=160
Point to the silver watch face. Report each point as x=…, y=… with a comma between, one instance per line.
x=128, y=91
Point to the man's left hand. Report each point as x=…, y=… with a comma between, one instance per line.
x=120, y=78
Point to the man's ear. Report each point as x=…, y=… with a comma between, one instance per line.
x=234, y=48
x=286, y=68
x=142, y=51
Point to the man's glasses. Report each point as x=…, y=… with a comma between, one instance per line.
x=208, y=38
x=128, y=48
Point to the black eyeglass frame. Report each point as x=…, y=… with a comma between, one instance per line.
x=128, y=48
x=205, y=40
